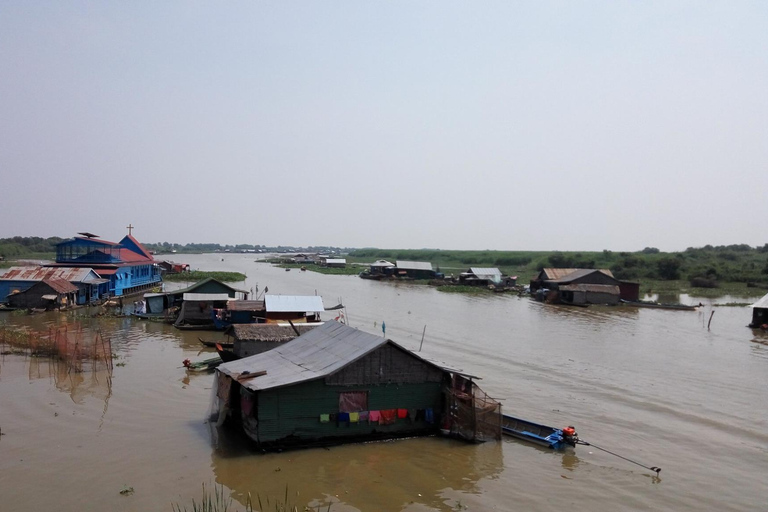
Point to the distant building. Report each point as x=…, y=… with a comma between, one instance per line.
x=129, y=267
x=336, y=262
x=415, y=269
x=578, y=285
x=479, y=276
x=382, y=267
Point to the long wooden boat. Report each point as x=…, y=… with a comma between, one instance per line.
x=226, y=355
x=212, y=344
x=542, y=435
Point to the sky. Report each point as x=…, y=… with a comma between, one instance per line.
x=537, y=125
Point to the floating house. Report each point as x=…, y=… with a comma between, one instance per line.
x=296, y=308
x=199, y=309
x=90, y=287
x=382, y=267
x=479, y=276
x=255, y=338
x=578, y=286
x=158, y=303
x=129, y=267
x=760, y=313
x=337, y=384
x=336, y=262
x=171, y=267
x=47, y=294
x=415, y=269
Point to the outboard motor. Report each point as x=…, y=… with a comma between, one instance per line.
x=570, y=436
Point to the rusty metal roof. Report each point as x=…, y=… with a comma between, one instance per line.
x=414, y=265
x=60, y=285
x=245, y=305
x=556, y=274
x=269, y=332
x=601, y=288
x=71, y=274
x=316, y=354
x=579, y=273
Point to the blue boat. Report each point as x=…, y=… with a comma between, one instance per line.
x=542, y=435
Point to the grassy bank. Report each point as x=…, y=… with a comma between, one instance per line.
x=199, y=275
x=723, y=270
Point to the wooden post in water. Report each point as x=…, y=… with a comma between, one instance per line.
x=710, y=319
x=422, y=337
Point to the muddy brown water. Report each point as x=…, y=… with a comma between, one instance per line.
x=652, y=385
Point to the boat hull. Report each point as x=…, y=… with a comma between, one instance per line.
x=535, y=433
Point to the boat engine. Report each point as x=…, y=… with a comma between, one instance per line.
x=570, y=436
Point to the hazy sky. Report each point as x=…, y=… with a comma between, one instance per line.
x=456, y=125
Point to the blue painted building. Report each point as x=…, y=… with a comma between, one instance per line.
x=128, y=266
x=90, y=286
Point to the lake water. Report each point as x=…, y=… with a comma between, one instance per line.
x=655, y=386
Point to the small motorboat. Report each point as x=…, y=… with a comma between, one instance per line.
x=551, y=437
x=205, y=365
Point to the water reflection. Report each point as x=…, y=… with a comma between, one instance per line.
x=386, y=475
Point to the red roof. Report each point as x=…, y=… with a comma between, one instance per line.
x=129, y=256
x=142, y=250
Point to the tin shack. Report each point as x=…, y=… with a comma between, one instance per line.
x=49, y=293
x=338, y=384
x=760, y=313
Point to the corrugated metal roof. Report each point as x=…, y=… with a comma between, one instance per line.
x=269, y=332
x=762, y=303
x=294, y=303
x=565, y=275
x=557, y=273
x=60, y=285
x=382, y=263
x=337, y=261
x=485, y=271
x=198, y=284
x=206, y=296
x=414, y=265
x=71, y=274
x=245, y=305
x=318, y=353
x=601, y=288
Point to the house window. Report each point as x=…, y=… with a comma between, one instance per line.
x=353, y=401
